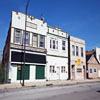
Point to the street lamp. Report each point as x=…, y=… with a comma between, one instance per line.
x=25, y=40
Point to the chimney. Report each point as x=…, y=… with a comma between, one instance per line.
x=42, y=19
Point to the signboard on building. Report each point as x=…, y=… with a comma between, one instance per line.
x=78, y=62
x=31, y=25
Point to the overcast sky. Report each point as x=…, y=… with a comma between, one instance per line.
x=80, y=18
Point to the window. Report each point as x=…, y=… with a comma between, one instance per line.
x=76, y=50
x=50, y=43
x=95, y=70
x=17, y=38
x=63, y=69
x=52, y=69
x=63, y=45
x=41, y=41
x=73, y=50
x=56, y=44
x=90, y=70
x=53, y=44
x=26, y=41
x=81, y=52
x=35, y=40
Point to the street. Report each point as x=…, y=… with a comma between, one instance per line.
x=86, y=91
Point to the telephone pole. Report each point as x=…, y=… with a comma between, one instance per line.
x=25, y=41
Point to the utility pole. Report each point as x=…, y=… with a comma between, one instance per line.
x=25, y=40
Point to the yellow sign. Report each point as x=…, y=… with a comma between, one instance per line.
x=79, y=62
x=19, y=67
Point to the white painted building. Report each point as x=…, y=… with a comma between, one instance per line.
x=35, y=49
x=98, y=58
x=57, y=54
x=46, y=50
x=98, y=54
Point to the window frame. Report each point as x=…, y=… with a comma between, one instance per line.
x=63, y=69
x=90, y=71
x=63, y=46
x=73, y=50
x=24, y=38
x=77, y=51
x=43, y=41
x=33, y=40
x=82, y=52
x=95, y=70
x=52, y=69
x=15, y=36
x=53, y=44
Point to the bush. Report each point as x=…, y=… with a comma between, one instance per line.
x=2, y=74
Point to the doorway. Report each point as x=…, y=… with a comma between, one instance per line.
x=58, y=73
x=84, y=72
x=73, y=72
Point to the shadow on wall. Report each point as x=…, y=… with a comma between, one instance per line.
x=98, y=91
x=2, y=74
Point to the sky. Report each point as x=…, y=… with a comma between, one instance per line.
x=80, y=18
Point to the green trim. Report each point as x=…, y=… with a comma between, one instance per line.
x=56, y=56
x=58, y=35
x=20, y=72
x=40, y=71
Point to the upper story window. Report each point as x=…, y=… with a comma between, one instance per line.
x=77, y=51
x=17, y=38
x=63, y=45
x=73, y=50
x=35, y=40
x=26, y=38
x=50, y=43
x=54, y=44
x=81, y=52
x=42, y=41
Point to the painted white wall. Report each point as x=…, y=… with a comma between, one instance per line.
x=98, y=53
x=57, y=31
x=57, y=62
x=32, y=75
x=57, y=57
x=20, y=23
x=58, y=52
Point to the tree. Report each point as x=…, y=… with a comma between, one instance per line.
x=2, y=73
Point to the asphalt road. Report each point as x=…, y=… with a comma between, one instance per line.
x=87, y=91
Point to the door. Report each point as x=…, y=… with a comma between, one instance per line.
x=20, y=72
x=99, y=73
x=73, y=72
x=84, y=72
x=58, y=73
x=40, y=71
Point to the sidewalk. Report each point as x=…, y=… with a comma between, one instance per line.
x=47, y=83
